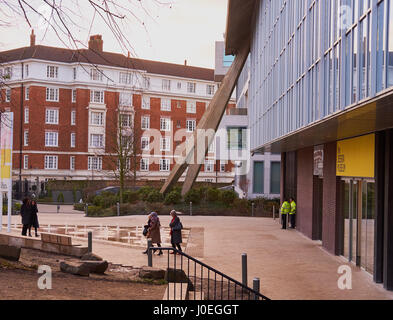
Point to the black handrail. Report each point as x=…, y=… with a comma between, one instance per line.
x=243, y=287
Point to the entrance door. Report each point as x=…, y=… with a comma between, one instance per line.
x=359, y=214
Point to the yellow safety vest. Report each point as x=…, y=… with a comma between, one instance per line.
x=285, y=208
x=293, y=208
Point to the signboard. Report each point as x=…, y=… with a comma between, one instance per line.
x=355, y=157
x=318, y=161
x=6, y=141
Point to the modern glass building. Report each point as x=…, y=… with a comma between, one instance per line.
x=321, y=94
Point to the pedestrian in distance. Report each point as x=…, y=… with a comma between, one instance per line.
x=176, y=227
x=292, y=213
x=34, y=218
x=154, y=231
x=285, y=209
x=25, y=212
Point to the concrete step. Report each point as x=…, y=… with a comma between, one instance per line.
x=177, y=291
x=195, y=295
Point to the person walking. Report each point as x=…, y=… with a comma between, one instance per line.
x=34, y=218
x=292, y=213
x=285, y=209
x=25, y=212
x=154, y=231
x=176, y=227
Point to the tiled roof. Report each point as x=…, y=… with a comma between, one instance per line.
x=105, y=58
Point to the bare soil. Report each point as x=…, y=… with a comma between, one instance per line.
x=18, y=281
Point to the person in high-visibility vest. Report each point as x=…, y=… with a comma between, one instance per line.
x=285, y=209
x=292, y=213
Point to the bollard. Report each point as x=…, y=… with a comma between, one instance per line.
x=90, y=242
x=256, y=285
x=190, y=208
x=149, y=253
x=252, y=209
x=274, y=213
x=244, y=269
x=118, y=209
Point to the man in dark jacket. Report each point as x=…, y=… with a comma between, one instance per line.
x=25, y=212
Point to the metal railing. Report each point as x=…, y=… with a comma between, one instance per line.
x=210, y=283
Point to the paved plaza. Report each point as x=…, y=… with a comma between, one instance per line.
x=289, y=265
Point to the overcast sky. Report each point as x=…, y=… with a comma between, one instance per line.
x=185, y=31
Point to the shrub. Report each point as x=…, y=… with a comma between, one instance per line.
x=94, y=211
x=130, y=196
x=173, y=197
x=228, y=197
x=144, y=192
x=79, y=206
x=193, y=196
x=17, y=206
x=60, y=197
x=213, y=194
x=156, y=207
x=154, y=196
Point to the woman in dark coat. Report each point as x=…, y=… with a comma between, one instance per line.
x=25, y=212
x=34, y=218
x=176, y=226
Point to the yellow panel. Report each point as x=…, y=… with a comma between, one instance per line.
x=5, y=156
x=5, y=172
x=355, y=157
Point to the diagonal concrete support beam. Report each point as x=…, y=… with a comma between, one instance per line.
x=198, y=145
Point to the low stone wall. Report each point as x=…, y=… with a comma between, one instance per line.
x=38, y=244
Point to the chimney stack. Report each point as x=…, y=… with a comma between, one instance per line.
x=96, y=43
x=32, y=38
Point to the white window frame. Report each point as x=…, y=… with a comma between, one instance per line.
x=74, y=73
x=191, y=125
x=73, y=140
x=26, y=70
x=73, y=117
x=223, y=165
x=97, y=96
x=96, y=140
x=96, y=74
x=7, y=95
x=94, y=163
x=25, y=162
x=145, y=103
x=191, y=87
x=51, y=139
x=209, y=166
x=26, y=138
x=125, y=77
x=51, y=163
x=165, y=144
x=72, y=163
x=52, y=72
x=210, y=89
x=51, y=116
x=165, y=165
x=165, y=104
x=27, y=115
x=179, y=85
x=145, y=122
x=27, y=93
x=128, y=122
x=52, y=94
x=73, y=95
x=144, y=165
x=125, y=99
x=145, y=144
x=165, y=124
x=166, y=85
x=97, y=118
x=191, y=107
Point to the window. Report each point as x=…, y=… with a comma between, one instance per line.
x=97, y=118
x=72, y=163
x=178, y=104
x=146, y=81
x=223, y=164
x=95, y=74
x=97, y=140
x=52, y=72
x=275, y=172
x=74, y=73
x=26, y=138
x=146, y=103
x=178, y=124
x=165, y=105
x=166, y=85
x=145, y=123
x=73, y=140
x=164, y=165
x=27, y=93
x=73, y=98
x=51, y=139
x=191, y=87
x=165, y=144
x=73, y=117
x=125, y=78
x=210, y=88
x=258, y=177
x=179, y=86
x=144, y=164
x=7, y=73
x=191, y=125
x=165, y=124
x=237, y=138
x=209, y=166
x=26, y=70
x=145, y=143
x=26, y=115
x=125, y=120
x=125, y=99
x=191, y=107
x=51, y=162
x=52, y=94
x=94, y=163
x=25, y=162
x=7, y=95
x=52, y=116
x=96, y=96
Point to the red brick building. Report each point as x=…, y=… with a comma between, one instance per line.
x=67, y=105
